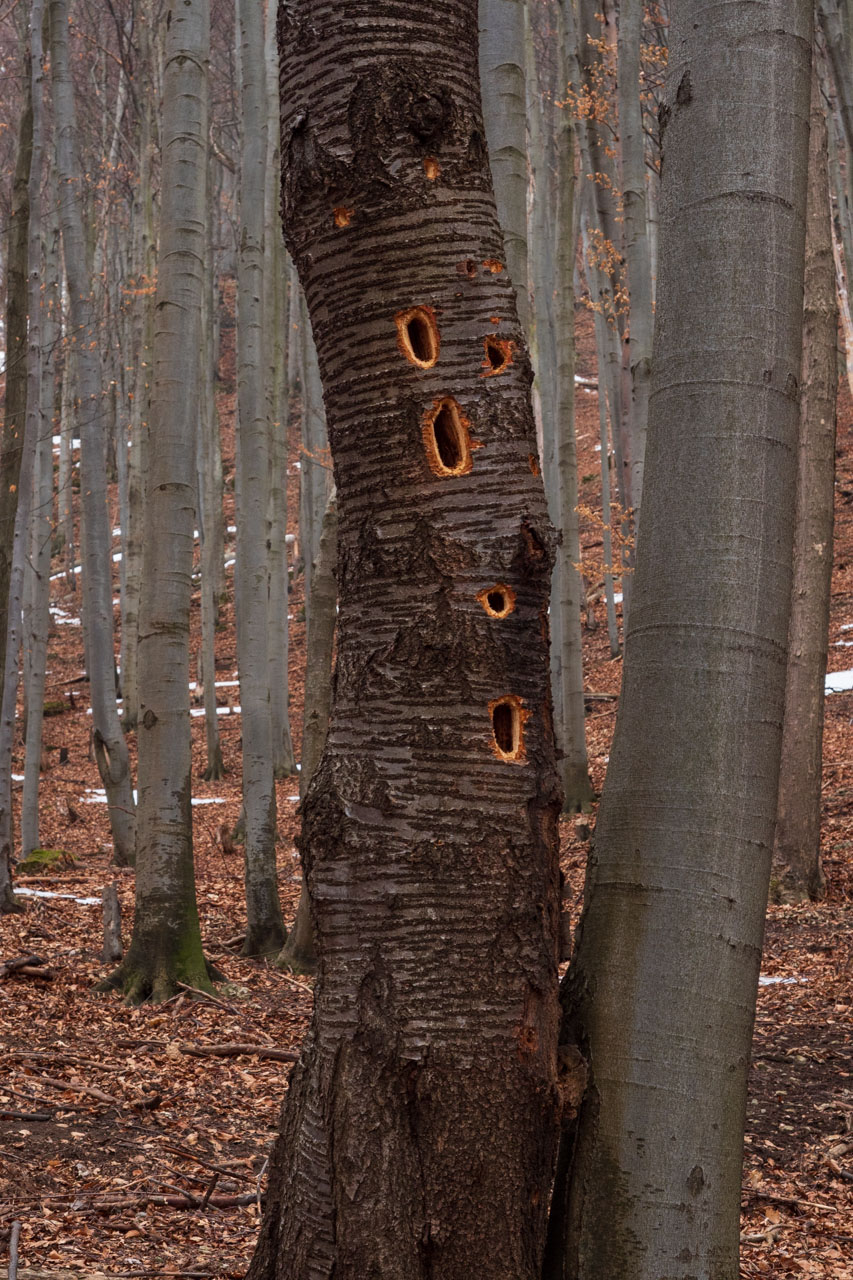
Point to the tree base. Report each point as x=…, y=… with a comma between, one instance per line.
x=147, y=980
x=10, y=905
x=215, y=770
x=263, y=943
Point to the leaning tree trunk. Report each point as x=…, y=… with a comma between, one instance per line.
x=660, y=995
x=166, y=945
x=796, y=852
x=110, y=746
x=430, y=828
x=265, y=932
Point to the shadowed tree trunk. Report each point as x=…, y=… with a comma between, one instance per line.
x=796, y=853
x=110, y=746
x=417, y=1137
x=660, y=995
x=166, y=945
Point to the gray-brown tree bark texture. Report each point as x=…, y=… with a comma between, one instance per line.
x=166, y=943
x=796, y=854
x=110, y=746
x=417, y=1138
x=660, y=996
x=15, y=409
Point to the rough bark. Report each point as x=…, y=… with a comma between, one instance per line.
x=677, y=886
x=796, y=852
x=299, y=952
x=110, y=746
x=166, y=943
x=417, y=1135
x=264, y=925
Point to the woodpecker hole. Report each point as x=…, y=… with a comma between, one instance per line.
x=533, y=544
x=492, y=264
x=498, y=355
x=343, y=215
x=498, y=601
x=467, y=267
x=432, y=168
x=508, y=718
x=417, y=336
x=446, y=438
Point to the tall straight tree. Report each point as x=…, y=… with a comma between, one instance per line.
x=418, y=1132
x=796, y=853
x=166, y=944
x=264, y=926
x=110, y=746
x=660, y=995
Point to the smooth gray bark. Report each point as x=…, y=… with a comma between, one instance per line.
x=660, y=996
x=314, y=475
x=110, y=746
x=796, y=852
x=265, y=932
x=166, y=943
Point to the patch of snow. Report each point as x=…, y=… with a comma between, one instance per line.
x=846, y=626
x=57, y=441
x=838, y=682
x=617, y=597
x=220, y=711
x=294, y=798
x=17, y=777
x=62, y=617
x=764, y=981
x=77, y=569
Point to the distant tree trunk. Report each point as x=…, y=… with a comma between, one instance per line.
x=650, y=1175
x=637, y=260
x=166, y=945
x=796, y=853
x=15, y=413
x=265, y=932
x=110, y=746
x=65, y=495
x=313, y=476
x=300, y=953
x=501, y=59
x=431, y=822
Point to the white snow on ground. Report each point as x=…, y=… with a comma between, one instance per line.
x=220, y=711
x=61, y=616
x=46, y=893
x=17, y=777
x=843, y=644
x=764, y=981
x=96, y=796
x=617, y=597
x=57, y=441
x=846, y=626
x=54, y=576
x=294, y=798
x=218, y=684
x=838, y=682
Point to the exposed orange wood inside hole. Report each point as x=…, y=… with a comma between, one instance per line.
x=343, y=215
x=492, y=264
x=498, y=601
x=533, y=463
x=417, y=336
x=431, y=168
x=447, y=439
x=498, y=355
x=508, y=715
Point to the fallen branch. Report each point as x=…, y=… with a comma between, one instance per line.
x=238, y=1051
x=89, y=1090
x=20, y=964
x=168, y=1202
x=205, y=995
x=205, y=1164
x=13, y=1250
x=6, y=1114
x=758, y=1194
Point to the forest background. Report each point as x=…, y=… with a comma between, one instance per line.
x=132, y=1110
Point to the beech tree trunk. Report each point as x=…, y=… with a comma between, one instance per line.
x=110, y=746
x=166, y=943
x=796, y=854
x=660, y=995
x=417, y=1136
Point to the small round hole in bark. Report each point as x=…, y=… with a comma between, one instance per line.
x=446, y=438
x=343, y=215
x=498, y=601
x=467, y=267
x=417, y=336
x=498, y=355
x=508, y=727
x=431, y=168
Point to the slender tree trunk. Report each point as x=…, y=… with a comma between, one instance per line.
x=166, y=944
x=299, y=952
x=501, y=59
x=265, y=932
x=632, y=146
x=649, y=1182
x=430, y=825
x=313, y=475
x=110, y=746
x=65, y=486
x=796, y=852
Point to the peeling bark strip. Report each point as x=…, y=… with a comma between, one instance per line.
x=417, y=1136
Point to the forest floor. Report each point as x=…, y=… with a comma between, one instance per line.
x=112, y=1133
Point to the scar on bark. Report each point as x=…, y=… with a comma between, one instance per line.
x=431, y=168
x=447, y=440
x=508, y=717
x=498, y=355
x=533, y=463
x=343, y=215
x=492, y=264
x=498, y=601
x=417, y=336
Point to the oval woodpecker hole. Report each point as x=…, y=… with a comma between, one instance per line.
x=417, y=336
x=507, y=727
x=498, y=355
x=498, y=601
x=446, y=439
